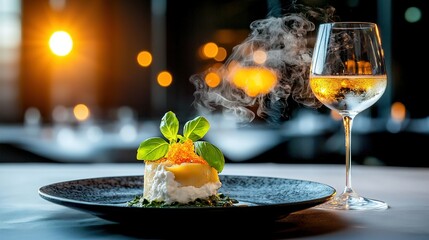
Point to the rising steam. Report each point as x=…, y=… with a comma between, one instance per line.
x=284, y=40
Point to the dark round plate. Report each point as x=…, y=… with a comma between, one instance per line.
x=260, y=199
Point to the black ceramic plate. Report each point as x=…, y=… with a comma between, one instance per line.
x=260, y=199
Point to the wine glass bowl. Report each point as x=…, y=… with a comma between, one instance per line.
x=348, y=75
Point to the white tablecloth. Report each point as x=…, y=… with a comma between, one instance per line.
x=25, y=215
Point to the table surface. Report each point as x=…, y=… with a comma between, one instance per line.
x=25, y=215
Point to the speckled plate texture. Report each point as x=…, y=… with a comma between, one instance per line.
x=260, y=199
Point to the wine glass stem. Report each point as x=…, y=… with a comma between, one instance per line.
x=348, y=123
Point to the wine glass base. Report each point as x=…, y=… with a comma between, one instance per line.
x=352, y=201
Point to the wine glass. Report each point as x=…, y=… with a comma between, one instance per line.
x=348, y=75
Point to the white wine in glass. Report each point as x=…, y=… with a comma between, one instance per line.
x=348, y=75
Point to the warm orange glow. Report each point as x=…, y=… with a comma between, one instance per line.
x=210, y=50
x=144, y=58
x=61, y=43
x=259, y=57
x=335, y=115
x=164, y=79
x=254, y=80
x=81, y=112
x=230, y=36
x=351, y=66
x=225, y=36
x=233, y=65
x=363, y=67
x=221, y=54
x=217, y=66
x=398, y=111
x=212, y=79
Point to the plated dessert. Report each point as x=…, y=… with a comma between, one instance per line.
x=181, y=170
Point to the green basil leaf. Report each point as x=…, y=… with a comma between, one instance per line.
x=169, y=126
x=152, y=149
x=181, y=138
x=211, y=154
x=196, y=128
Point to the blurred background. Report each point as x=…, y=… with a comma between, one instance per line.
x=88, y=80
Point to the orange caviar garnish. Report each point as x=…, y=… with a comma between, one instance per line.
x=183, y=153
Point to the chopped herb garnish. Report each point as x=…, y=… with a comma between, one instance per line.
x=219, y=200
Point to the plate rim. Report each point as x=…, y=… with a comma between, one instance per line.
x=67, y=201
x=129, y=215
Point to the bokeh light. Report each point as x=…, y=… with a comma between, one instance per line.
x=81, y=112
x=259, y=57
x=58, y=5
x=164, y=79
x=32, y=116
x=413, y=14
x=144, y=58
x=128, y=133
x=210, y=50
x=61, y=43
x=398, y=111
x=254, y=80
x=335, y=115
x=221, y=54
x=60, y=114
x=212, y=79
